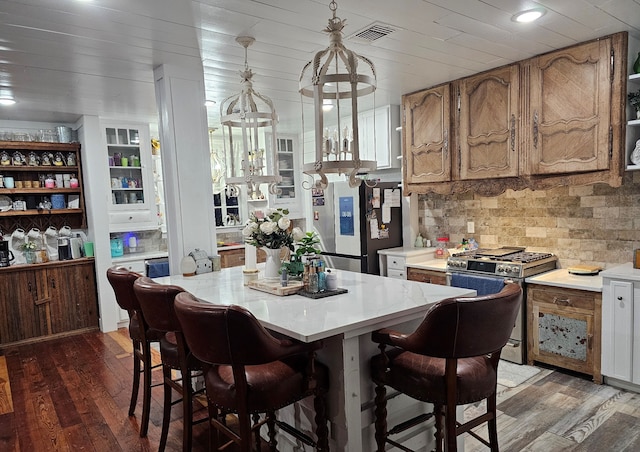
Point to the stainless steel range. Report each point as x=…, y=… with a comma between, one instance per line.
x=480, y=268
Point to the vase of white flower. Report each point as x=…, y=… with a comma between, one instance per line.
x=273, y=263
x=29, y=250
x=270, y=231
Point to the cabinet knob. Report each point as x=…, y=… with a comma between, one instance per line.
x=620, y=298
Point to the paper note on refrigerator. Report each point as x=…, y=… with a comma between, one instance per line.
x=373, y=226
x=392, y=197
x=386, y=213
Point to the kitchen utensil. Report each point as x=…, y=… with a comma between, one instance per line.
x=6, y=256
x=64, y=134
x=64, y=248
x=584, y=270
x=34, y=234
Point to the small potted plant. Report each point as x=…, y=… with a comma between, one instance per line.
x=634, y=100
x=306, y=246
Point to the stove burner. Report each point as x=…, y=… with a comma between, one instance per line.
x=525, y=257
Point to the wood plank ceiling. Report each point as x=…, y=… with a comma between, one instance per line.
x=61, y=59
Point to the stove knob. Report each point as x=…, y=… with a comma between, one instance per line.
x=514, y=269
x=500, y=269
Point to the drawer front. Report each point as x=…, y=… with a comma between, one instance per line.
x=398, y=274
x=133, y=266
x=568, y=298
x=231, y=258
x=142, y=216
x=427, y=276
x=396, y=263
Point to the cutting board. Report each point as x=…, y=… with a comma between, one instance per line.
x=582, y=269
x=274, y=287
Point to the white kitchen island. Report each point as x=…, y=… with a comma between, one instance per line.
x=344, y=322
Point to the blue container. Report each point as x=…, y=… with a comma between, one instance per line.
x=58, y=201
x=117, y=248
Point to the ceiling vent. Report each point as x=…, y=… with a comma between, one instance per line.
x=372, y=32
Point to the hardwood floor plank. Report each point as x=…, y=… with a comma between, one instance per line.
x=47, y=422
x=8, y=436
x=6, y=403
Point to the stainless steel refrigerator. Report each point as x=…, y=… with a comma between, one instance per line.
x=354, y=223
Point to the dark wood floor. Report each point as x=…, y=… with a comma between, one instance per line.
x=73, y=394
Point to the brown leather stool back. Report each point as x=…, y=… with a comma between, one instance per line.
x=250, y=371
x=450, y=359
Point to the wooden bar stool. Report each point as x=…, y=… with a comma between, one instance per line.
x=250, y=372
x=141, y=335
x=451, y=359
x=156, y=301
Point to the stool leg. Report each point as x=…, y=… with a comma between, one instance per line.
x=381, y=417
x=322, y=432
x=166, y=409
x=136, y=379
x=492, y=423
x=146, y=390
x=437, y=410
x=271, y=424
x=450, y=422
x=187, y=410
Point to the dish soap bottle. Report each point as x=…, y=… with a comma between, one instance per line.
x=419, y=241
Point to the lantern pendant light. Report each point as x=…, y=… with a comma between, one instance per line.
x=337, y=76
x=249, y=133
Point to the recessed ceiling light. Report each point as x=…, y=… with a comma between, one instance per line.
x=7, y=101
x=529, y=15
x=209, y=103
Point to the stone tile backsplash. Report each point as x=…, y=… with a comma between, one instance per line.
x=594, y=224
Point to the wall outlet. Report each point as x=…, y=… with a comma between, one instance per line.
x=471, y=227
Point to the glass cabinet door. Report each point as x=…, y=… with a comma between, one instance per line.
x=125, y=167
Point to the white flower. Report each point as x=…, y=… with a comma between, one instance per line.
x=268, y=227
x=284, y=223
x=297, y=234
x=249, y=229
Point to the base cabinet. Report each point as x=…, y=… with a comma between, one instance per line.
x=426, y=276
x=565, y=328
x=46, y=299
x=620, y=326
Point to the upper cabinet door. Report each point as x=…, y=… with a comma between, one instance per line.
x=570, y=110
x=426, y=135
x=488, y=119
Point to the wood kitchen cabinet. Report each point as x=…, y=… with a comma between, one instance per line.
x=555, y=119
x=565, y=328
x=426, y=276
x=488, y=118
x=569, y=109
x=41, y=300
x=426, y=134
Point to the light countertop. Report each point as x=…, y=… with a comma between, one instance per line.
x=562, y=278
x=130, y=257
x=371, y=302
x=439, y=265
x=624, y=271
x=407, y=252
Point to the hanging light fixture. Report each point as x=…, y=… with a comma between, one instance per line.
x=340, y=76
x=217, y=164
x=249, y=134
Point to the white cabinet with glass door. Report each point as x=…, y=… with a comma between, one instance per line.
x=131, y=198
x=290, y=187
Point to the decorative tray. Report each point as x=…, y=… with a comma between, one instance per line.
x=274, y=287
x=326, y=293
